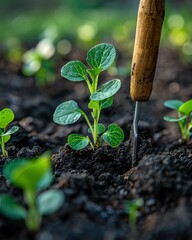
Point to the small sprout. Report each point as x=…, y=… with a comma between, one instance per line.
x=31, y=176
x=6, y=117
x=38, y=62
x=99, y=58
x=133, y=207
x=184, y=119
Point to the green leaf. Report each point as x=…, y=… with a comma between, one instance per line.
x=93, y=73
x=114, y=136
x=186, y=108
x=173, y=104
x=31, y=174
x=5, y=138
x=101, y=104
x=108, y=102
x=101, y=56
x=67, y=113
x=6, y=116
x=101, y=128
x=45, y=180
x=94, y=104
x=10, y=167
x=14, y=129
x=171, y=119
x=77, y=141
x=74, y=71
x=10, y=208
x=50, y=201
x=107, y=90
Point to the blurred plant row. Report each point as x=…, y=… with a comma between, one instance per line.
x=36, y=41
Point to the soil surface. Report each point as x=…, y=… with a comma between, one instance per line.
x=99, y=185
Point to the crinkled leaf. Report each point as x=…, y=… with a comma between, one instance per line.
x=33, y=174
x=173, y=104
x=10, y=208
x=108, y=102
x=107, y=90
x=67, y=113
x=186, y=108
x=94, y=104
x=5, y=138
x=50, y=201
x=74, y=71
x=114, y=136
x=14, y=129
x=77, y=141
x=6, y=116
x=101, y=56
x=101, y=128
x=172, y=119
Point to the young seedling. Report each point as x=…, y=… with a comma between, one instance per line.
x=39, y=62
x=31, y=176
x=132, y=207
x=99, y=59
x=184, y=119
x=6, y=117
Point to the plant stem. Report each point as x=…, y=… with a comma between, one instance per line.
x=95, y=83
x=33, y=219
x=96, y=114
x=92, y=146
x=183, y=127
x=87, y=120
x=4, y=152
x=89, y=85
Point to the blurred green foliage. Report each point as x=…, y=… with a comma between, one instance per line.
x=83, y=24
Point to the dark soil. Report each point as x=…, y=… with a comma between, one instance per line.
x=98, y=184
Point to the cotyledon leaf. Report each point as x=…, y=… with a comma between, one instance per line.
x=101, y=128
x=50, y=201
x=6, y=116
x=186, y=108
x=172, y=119
x=173, y=104
x=10, y=208
x=114, y=136
x=12, y=130
x=77, y=141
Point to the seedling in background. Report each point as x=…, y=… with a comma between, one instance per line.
x=133, y=207
x=184, y=119
x=6, y=117
x=38, y=62
x=99, y=59
x=31, y=176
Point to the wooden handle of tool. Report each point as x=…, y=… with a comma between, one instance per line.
x=148, y=32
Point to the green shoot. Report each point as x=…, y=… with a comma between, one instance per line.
x=99, y=58
x=6, y=117
x=132, y=207
x=31, y=176
x=38, y=62
x=184, y=116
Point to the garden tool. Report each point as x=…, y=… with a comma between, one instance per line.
x=148, y=31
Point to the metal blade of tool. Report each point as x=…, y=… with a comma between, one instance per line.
x=148, y=32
